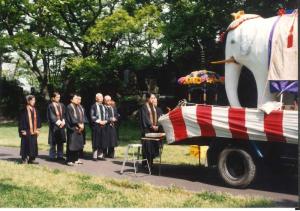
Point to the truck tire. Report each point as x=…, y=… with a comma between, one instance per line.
x=236, y=167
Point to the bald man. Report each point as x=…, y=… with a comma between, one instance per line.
x=99, y=120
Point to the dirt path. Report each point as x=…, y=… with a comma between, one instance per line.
x=280, y=188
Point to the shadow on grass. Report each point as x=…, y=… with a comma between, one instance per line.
x=129, y=168
x=210, y=176
x=4, y=154
x=15, y=160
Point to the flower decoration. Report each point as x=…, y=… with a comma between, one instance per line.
x=200, y=77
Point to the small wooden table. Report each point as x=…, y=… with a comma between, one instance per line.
x=160, y=144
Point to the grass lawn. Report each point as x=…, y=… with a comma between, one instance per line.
x=129, y=133
x=56, y=188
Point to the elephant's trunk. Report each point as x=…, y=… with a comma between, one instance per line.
x=232, y=75
x=230, y=60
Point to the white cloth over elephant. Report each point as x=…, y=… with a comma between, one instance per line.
x=248, y=43
x=283, y=51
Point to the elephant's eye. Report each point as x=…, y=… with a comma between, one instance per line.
x=232, y=41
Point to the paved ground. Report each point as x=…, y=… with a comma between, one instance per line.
x=280, y=188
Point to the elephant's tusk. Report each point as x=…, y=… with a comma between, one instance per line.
x=230, y=60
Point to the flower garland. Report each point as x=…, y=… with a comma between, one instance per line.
x=200, y=77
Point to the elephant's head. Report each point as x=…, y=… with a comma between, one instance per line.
x=246, y=45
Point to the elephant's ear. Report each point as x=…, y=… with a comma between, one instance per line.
x=246, y=39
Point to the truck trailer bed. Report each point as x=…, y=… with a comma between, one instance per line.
x=207, y=121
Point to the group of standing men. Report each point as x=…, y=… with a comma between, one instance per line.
x=67, y=124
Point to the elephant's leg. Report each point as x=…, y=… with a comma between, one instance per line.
x=263, y=88
x=232, y=75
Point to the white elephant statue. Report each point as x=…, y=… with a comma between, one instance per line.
x=247, y=45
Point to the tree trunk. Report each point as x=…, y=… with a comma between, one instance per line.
x=1, y=62
x=44, y=87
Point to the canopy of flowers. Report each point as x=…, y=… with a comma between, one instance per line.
x=200, y=77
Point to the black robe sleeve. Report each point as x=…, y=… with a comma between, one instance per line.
x=51, y=115
x=93, y=114
x=71, y=121
x=145, y=123
x=22, y=122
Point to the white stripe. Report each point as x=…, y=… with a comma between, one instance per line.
x=190, y=120
x=219, y=117
x=255, y=124
x=168, y=127
x=290, y=126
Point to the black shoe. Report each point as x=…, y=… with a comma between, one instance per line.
x=60, y=159
x=52, y=159
x=33, y=162
x=111, y=155
x=103, y=159
x=95, y=159
x=24, y=161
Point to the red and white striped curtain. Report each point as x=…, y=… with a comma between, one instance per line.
x=187, y=122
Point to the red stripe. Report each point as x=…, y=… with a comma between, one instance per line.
x=205, y=121
x=273, y=126
x=179, y=127
x=237, y=123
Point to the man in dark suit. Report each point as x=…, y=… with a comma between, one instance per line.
x=57, y=134
x=148, y=116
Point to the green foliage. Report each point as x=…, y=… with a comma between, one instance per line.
x=81, y=67
x=149, y=22
x=115, y=26
x=14, y=196
x=67, y=44
x=30, y=41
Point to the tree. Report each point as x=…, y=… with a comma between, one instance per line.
x=101, y=38
x=24, y=26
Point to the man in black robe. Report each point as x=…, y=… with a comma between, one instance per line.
x=118, y=122
x=159, y=111
x=75, y=127
x=148, y=117
x=99, y=123
x=29, y=129
x=85, y=121
x=111, y=127
x=57, y=134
